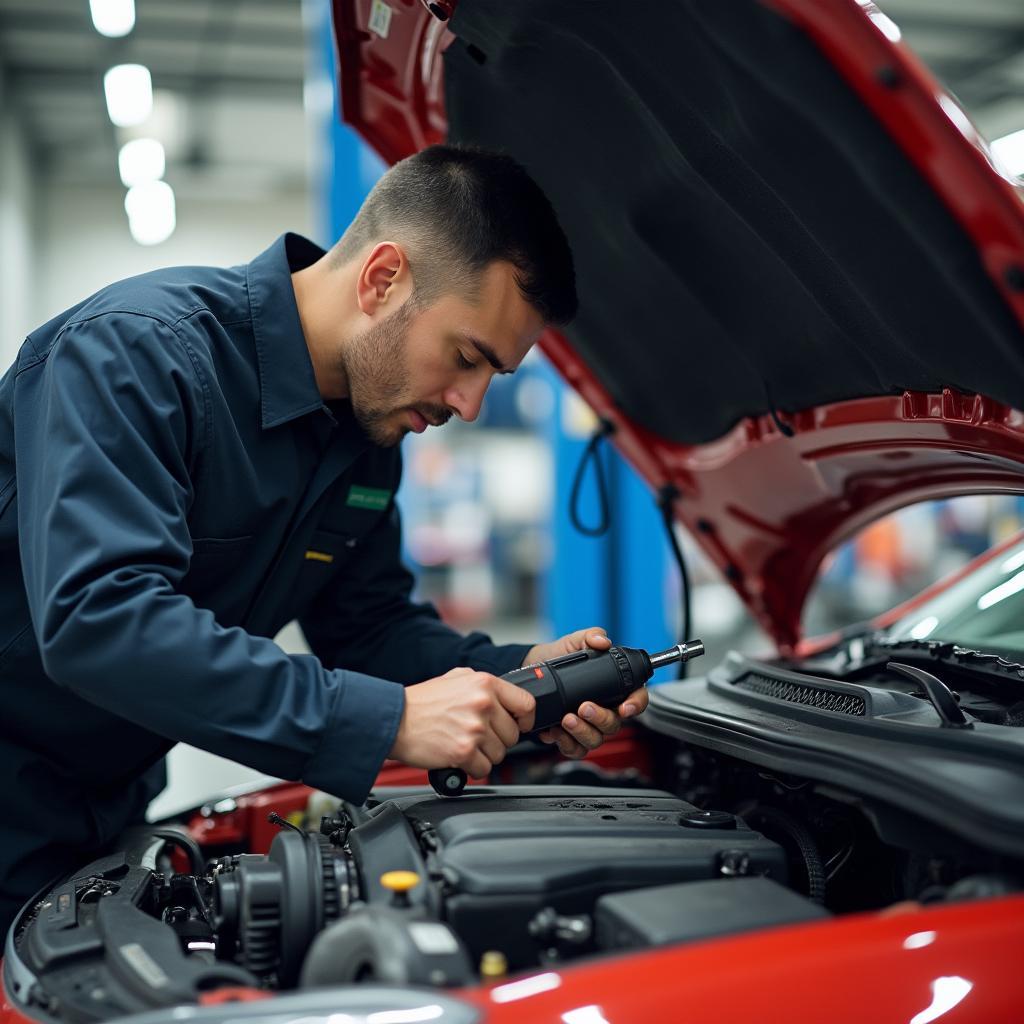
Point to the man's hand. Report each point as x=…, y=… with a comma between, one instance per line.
x=463, y=719
x=585, y=731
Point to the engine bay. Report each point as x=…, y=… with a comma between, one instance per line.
x=410, y=888
x=717, y=835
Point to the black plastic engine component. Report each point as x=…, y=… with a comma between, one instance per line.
x=387, y=945
x=507, y=854
x=697, y=910
x=268, y=909
x=309, y=895
x=248, y=913
x=516, y=870
x=91, y=948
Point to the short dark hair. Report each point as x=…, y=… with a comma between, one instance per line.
x=456, y=209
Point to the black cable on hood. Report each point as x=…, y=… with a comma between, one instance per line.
x=666, y=496
x=592, y=452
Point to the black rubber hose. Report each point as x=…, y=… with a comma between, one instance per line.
x=803, y=840
x=184, y=842
x=666, y=496
x=592, y=453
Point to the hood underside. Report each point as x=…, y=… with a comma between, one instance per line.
x=795, y=271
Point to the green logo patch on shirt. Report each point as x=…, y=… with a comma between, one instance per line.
x=372, y=498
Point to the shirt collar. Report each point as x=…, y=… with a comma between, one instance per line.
x=287, y=382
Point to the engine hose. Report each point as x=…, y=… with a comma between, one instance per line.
x=184, y=842
x=802, y=838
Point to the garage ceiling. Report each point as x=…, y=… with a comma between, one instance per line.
x=227, y=80
x=976, y=49
x=228, y=76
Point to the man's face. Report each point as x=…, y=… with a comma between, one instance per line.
x=416, y=367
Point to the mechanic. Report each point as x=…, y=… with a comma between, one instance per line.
x=194, y=457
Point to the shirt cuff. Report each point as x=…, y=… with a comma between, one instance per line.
x=359, y=734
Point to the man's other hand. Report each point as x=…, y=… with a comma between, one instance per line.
x=463, y=719
x=587, y=729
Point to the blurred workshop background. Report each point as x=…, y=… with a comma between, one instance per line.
x=142, y=134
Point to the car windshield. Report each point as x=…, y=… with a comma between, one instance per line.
x=984, y=610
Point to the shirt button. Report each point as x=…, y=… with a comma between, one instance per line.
x=351, y=542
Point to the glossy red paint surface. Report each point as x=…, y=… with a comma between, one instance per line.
x=392, y=90
x=962, y=963
x=245, y=823
x=765, y=508
x=9, y=1014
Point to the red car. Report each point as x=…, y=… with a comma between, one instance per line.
x=802, y=294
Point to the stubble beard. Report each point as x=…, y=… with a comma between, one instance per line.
x=378, y=377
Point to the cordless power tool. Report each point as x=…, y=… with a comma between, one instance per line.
x=562, y=684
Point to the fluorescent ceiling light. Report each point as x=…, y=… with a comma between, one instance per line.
x=129, y=92
x=1009, y=153
x=113, y=18
x=141, y=160
x=167, y=121
x=150, y=209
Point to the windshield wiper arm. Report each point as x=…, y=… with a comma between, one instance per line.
x=942, y=697
x=948, y=653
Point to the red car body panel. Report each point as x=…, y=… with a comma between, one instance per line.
x=883, y=968
x=9, y=1013
x=847, y=463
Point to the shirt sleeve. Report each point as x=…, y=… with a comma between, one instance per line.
x=368, y=622
x=109, y=428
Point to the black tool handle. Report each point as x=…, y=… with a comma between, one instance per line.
x=561, y=685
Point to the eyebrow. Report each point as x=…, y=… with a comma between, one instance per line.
x=488, y=353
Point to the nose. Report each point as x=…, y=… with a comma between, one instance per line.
x=467, y=399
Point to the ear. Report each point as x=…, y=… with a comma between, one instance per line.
x=384, y=278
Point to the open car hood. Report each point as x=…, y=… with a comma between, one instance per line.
x=801, y=276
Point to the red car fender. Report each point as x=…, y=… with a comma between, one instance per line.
x=959, y=964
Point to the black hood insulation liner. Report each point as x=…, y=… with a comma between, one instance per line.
x=735, y=212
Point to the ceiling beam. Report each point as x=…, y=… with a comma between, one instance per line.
x=180, y=30
x=220, y=84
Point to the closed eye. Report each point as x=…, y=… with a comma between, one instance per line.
x=463, y=362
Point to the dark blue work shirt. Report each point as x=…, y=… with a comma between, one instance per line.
x=173, y=491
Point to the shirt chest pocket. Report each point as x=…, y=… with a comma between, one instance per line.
x=324, y=556
x=330, y=548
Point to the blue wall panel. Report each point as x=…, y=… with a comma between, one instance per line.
x=623, y=580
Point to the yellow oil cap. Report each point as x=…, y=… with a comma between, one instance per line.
x=399, y=881
x=493, y=965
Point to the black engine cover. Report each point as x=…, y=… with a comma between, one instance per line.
x=497, y=857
